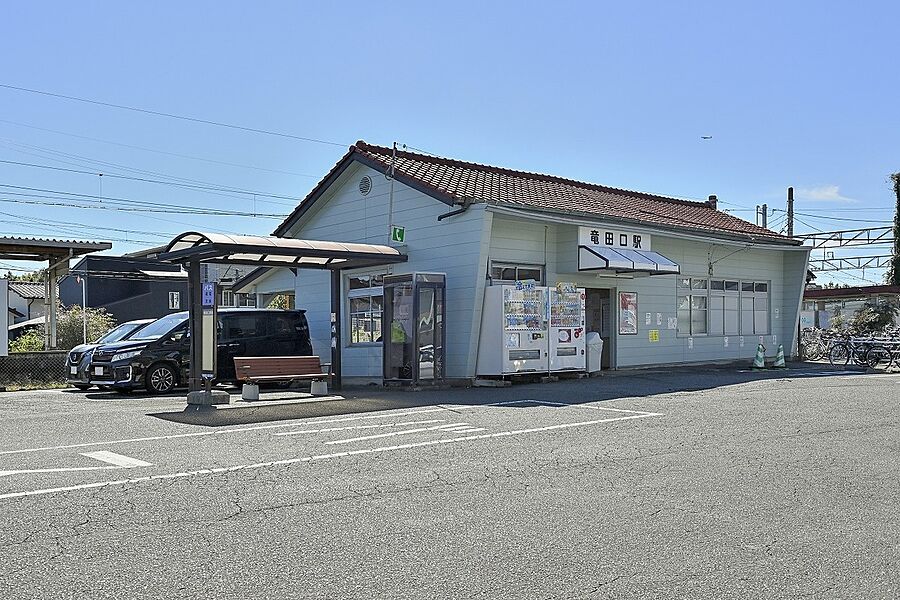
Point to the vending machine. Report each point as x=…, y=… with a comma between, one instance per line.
x=567, y=330
x=514, y=330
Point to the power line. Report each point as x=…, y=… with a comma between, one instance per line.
x=813, y=216
x=171, y=115
x=195, y=183
x=143, y=204
x=144, y=180
x=156, y=151
x=807, y=224
x=83, y=160
x=137, y=210
x=88, y=226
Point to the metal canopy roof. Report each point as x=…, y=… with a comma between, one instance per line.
x=276, y=252
x=624, y=260
x=18, y=248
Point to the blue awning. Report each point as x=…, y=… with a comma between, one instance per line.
x=624, y=260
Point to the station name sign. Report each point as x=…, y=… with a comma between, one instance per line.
x=613, y=238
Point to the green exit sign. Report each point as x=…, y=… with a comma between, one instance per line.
x=398, y=234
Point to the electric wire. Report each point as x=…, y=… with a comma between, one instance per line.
x=176, y=181
x=172, y=115
x=157, y=151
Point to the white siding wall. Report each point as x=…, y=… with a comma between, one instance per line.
x=785, y=270
x=453, y=246
x=275, y=281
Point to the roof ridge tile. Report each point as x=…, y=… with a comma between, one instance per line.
x=454, y=162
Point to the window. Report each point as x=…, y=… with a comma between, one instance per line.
x=692, y=306
x=508, y=273
x=237, y=326
x=228, y=299
x=365, y=302
x=724, y=313
x=754, y=308
x=735, y=307
x=246, y=300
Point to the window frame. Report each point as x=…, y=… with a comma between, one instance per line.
x=744, y=290
x=503, y=264
x=697, y=287
x=371, y=292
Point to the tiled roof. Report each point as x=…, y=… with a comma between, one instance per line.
x=27, y=289
x=850, y=292
x=458, y=180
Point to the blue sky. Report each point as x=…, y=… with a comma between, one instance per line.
x=800, y=93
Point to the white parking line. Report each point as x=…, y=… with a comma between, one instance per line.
x=291, y=461
x=571, y=405
x=217, y=432
x=120, y=460
x=330, y=429
x=59, y=470
x=394, y=433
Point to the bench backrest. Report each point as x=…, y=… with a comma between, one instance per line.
x=268, y=366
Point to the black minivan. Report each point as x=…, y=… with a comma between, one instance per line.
x=78, y=360
x=157, y=356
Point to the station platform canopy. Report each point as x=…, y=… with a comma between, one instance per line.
x=57, y=254
x=22, y=248
x=195, y=248
x=262, y=251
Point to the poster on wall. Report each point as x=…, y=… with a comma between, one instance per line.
x=628, y=313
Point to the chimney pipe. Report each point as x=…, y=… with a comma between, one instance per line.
x=713, y=202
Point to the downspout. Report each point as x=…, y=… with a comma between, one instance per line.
x=467, y=202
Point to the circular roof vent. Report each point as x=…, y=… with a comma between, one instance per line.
x=365, y=185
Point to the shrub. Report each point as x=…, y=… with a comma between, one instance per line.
x=69, y=329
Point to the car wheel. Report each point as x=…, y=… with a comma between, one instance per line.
x=81, y=386
x=160, y=379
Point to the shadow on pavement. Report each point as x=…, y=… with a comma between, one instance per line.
x=566, y=392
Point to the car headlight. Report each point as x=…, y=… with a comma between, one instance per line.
x=126, y=355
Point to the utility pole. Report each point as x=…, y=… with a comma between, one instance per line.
x=84, y=303
x=790, y=212
x=761, y=216
x=390, y=219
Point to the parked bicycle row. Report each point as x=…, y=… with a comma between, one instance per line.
x=841, y=347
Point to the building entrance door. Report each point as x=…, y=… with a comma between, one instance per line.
x=598, y=317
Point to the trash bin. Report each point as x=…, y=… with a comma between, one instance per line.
x=594, y=351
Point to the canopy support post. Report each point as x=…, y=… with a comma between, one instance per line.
x=336, y=329
x=195, y=324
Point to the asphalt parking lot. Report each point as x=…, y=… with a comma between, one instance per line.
x=673, y=484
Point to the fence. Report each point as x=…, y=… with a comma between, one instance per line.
x=28, y=369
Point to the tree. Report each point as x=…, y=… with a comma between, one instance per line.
x=893, y=275
x=36, y=276
x=873, y=318
x=69, y=329
x=281, y=302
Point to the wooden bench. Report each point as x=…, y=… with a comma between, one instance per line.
x=265, y=369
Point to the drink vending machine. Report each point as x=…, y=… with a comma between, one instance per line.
x=531, y=329
x=567, y=331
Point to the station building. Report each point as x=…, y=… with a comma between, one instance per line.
x=667, y=281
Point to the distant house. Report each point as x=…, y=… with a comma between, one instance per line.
x=13, y=315
x=26, y=298
x=128, y=287
x=821, y=305
x=226, y=277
